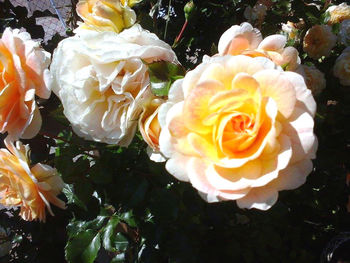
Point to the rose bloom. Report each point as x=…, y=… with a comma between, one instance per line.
x=314, y=78
x=102, y=81
x=257, y=13
x=30, y=188
x=105, y=15
x=23, y=74
x=237, y=128
x=246, y=40
x=338, y=13
x=150, y=128
x=344, y=33
x=319, y=41
x=342, y=67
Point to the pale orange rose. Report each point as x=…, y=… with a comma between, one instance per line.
x=342, y=67
x=314, y=78
x=338, y=13
x=236, y=128
x=106, y=15
x=150, y=128
x=30, y=188
x=246, y=40
x=319, y=41
x=23, y=74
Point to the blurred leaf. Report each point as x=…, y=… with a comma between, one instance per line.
x=162, y=75
x=108, y=233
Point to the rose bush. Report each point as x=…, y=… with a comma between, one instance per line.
x=30, y=188
x=238, y=128
x=23, y=74
x=102, y=81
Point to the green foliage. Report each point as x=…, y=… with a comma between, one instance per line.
x=124, y=208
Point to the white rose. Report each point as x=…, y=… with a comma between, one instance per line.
x=344, y=33
x=101, y=80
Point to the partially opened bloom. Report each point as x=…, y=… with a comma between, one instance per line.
x=238, y=128
x=102, y=81
x=338, y=13
x=150, y=128
x=319, y=41
x=105, y=15
x=342, y=67
x=314, y=78
x=23, y=74
x=246, y=40
x=30, y=188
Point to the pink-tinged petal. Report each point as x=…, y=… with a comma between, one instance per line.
x=245, y=31
x=234, y=179
x=34, y=126
x=300, y=130
x=273, y=43
x=294, y=175
x=277, y=86
x=303, y=94
x=178, y=167
x=262, y=198
x=176, y=93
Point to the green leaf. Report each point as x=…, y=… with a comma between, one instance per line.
x=90, y=253
x=83, y=247
x=162, y=75
x=108, y=233
x=120, y=242
x=68, y=191
x=128, y=217
x=79, y=226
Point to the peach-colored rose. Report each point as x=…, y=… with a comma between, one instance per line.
x=319, y=41
x=246, y=40
x=314, y=78
x=150, y=128
x=23, y=74
x=342, y=67
x=238, y=129
x=30, y=188
x=338, y=13
x=105, y=15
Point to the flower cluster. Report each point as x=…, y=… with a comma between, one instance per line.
x=237, y=127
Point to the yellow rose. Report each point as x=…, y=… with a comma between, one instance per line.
x=246, y=40
x=30, y=188
x=314, y=79
x=150, y=128
x=342, y=67
x=338, y=13
x=319, y=41
x=130, y=3
x=236, y=128
x=23, y=74
x=105, y=15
